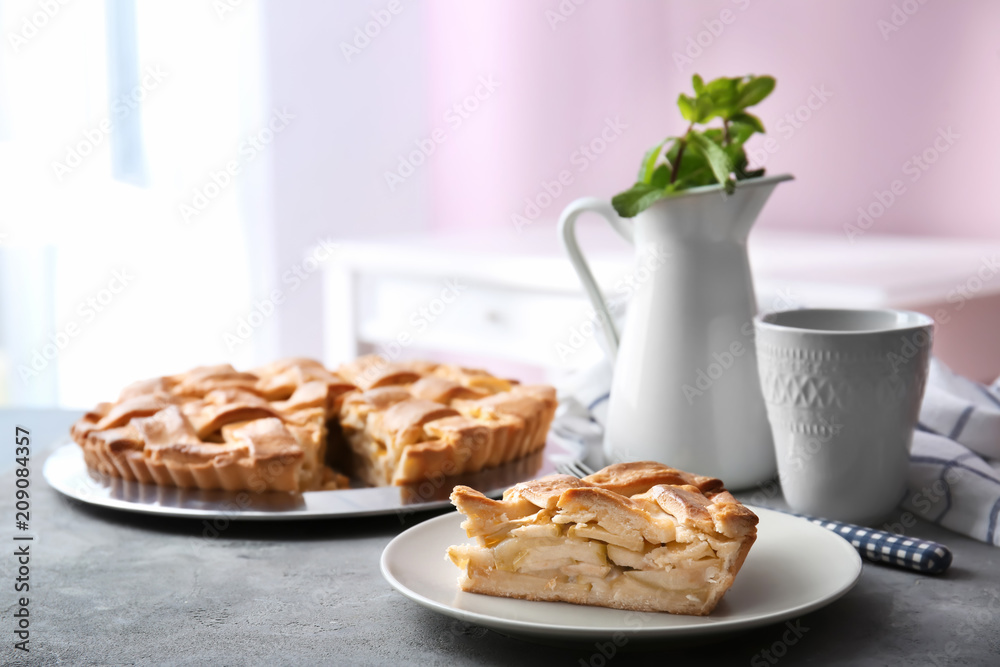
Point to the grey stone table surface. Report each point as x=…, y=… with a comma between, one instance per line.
x=109, y=587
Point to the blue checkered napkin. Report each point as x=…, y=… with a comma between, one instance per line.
x=955, y=462
x=898, y=550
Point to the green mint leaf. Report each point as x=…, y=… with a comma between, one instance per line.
x=715, y=134
x=740, y=128
x=739, y=159
x=717, y=159
x=637, y=199
x=737, y=156
x=723, y=86
x=698, y=83
x=723, y=92
x=754, y=90
x=661, y=176
x=741, y=166
x=687, y=107
x=705, y=109
x=698, y=109
x=748, y=119
x=694, y=170
x=649, y=162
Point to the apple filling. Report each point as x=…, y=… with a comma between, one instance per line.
x=559, y=538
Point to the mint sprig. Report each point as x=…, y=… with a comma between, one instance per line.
x=701, y=156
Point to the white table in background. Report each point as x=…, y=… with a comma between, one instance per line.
x=519, y=303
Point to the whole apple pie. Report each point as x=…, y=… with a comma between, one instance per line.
x=278, y=427
x=639, y=536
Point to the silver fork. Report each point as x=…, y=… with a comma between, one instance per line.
x=574, y=469
x=874, y=546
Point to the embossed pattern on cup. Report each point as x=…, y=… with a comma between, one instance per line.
x=843, y=390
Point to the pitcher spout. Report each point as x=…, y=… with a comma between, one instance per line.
x=707, y=213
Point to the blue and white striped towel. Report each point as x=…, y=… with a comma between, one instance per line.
x=954, y=466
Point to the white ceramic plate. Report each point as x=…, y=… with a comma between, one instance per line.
x=794, y=567
x=66, y=472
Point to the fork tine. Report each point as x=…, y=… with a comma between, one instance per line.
x=566, y=469
x=574, y=468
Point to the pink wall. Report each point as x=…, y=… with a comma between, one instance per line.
x=613, y=59
x=559, y=82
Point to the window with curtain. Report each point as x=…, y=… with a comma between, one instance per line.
x=123, y=252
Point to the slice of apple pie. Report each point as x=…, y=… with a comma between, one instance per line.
x=639, y=536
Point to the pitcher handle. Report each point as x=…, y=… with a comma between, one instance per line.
x=567, y=232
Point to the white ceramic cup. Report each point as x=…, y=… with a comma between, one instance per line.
x=843, y=391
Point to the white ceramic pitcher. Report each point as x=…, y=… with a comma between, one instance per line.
x=685, y=390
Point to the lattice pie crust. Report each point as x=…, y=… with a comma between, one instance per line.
x=639, y=536
x=218, y=428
